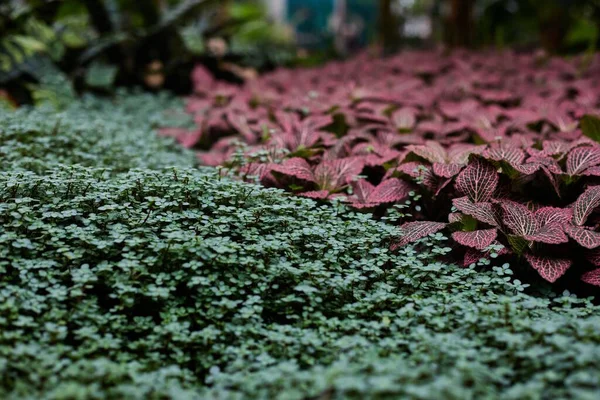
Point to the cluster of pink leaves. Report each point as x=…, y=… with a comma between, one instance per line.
x=492, y=142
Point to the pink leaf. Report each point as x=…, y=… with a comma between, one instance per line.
x=549, y=268
x=585, y=237
x=413, y=231
x=592, y=277
x=582, y=158
x=317, y=195
x=550, y=234
x=512, y=155
x=389, y=191
x=478, y=181
x=483, y=212
x=404, y=118
x=518, y=218
x=446, y=170
x=553, y=215
x=362, y=190
x=477, y=239
x=586, y=204
x=296, y=167
x=431, y=151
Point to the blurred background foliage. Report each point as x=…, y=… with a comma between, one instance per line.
x=99, y=44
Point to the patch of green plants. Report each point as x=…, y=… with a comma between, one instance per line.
x=125, y=272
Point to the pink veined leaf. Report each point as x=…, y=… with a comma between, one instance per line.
x=592, y=277
x=478, y=181
x=549, y=234
x=518, y=218
x=582, y=158
x=592, y=171
x=446, y=170
x=459, y=153
x=594, y=257
x=586, y=204
x=455, y=217
x=240, y=124
x=479, y=239
x=317, y=195
x=431, y=151
x=333, y=175
x=483, y=211
x=362, y=190
x=389, y=191
x=549, y=268
x=553, y=215
x=259, y=170
x=413, y=231
x=512, y=155
x=472, y=256
x=584, y=236
x=413, y=169
x=296, y=167
x=404, y=118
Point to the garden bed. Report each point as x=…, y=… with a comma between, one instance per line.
x=127, y=272
x=500, y=148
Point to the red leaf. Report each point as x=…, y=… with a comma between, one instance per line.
x=518, y=218
x=483, y=212
x=592, y=277
x=296, y=167
x=585, y=237
x=586, y=204
x=413, y=231
x=582, y=158
x=478, y=181
x=477, y=239
x=549, y=268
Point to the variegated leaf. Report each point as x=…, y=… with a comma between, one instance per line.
x=430, y=151
x=585, y=237
x=389, y=191
x=483, y=212
x=592, y=277
x=549, y=268
x=550, y=234
x=511, y=154
x=553, y=215
x=296, y=167
x=586, y=204
x=317, y=194
x=479, y=239
x=413, y=231
x=478, y=181
x=582, y=158
x=446, y=170
x=518, y=218
x=362, y=190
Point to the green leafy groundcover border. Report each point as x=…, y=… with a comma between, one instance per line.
x=126, y=273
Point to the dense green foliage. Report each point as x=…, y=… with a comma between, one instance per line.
x=125, y=273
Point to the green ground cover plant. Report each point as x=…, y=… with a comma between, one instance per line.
x=126, y=272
